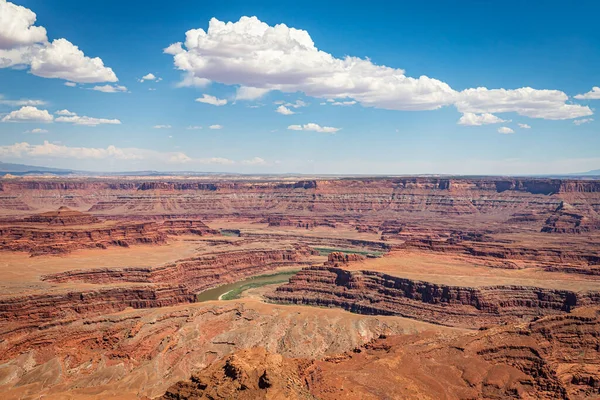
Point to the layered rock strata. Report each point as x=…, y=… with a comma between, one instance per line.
x=119, y=288
x=375, y=293
x=555, y=357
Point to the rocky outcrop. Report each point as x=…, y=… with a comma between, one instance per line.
x=63, y=216
x=250, y=374
x=307, y=223
x=375, y=293
x=510, y=251
x=197, y=273
x=161, y=286
x=566, y=219
x=555, y=357
x=322, y=241
x=336, y=258
x=24, y=312
x=40, y=240
x=183, y=226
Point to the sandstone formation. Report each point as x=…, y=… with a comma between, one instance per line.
x=170, y=284
x=65, y=230
x=375, y=293
x=63, y=216
x=433, y=287
x=556, y=357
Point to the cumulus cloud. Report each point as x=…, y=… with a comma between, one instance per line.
x=62, y=59
x=471, y=119
x=505, y=130
x=284, y=110
x=249, y=93
x=193, y=127
x=261, y=58
x=252, y=54
x=254, y=161
x=208, y=99
x=296, y=104
x=110, y=88
x=65, y=113
x=21, y=102
x=150, y=77
x=16, y=26
x=546, y=104
x=189, y=80
x=37, y=130
x=593, y=94
x=83, y=120
x=216, y=126
x=28, y=114
x=343, y=103
x=22, y=44
x=162, y=126
x=524, y=126
x=583, y=121
x=70, y=84
x=313, y=127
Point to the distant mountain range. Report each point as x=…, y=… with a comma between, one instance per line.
x=22, y=169
x=595, y=172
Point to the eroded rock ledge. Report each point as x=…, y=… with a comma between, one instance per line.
x=375, y=293
x=119, y=288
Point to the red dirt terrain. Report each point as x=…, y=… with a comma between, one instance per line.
x=409, y=287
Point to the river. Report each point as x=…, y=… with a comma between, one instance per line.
x=233, y=290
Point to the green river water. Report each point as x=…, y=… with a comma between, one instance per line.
x=232, y=291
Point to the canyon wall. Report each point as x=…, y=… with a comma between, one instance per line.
x=453, y=196
x=375, y=293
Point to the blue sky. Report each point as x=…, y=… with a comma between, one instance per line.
x=471, y=87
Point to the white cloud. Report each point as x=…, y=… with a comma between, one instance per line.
x=16, y=26
x=255, y=55
x=254, y=161
x=21, y=102
x=151, y=89
x=22, y=44
x=547, y=104
x=28, y=114
x=62, y=59
x=162, y=126
x=252, y=54
x=59, y=151
x=471, y=119
x=189, y=80
x=193, y=127
x=208, y=99
x=37, y=130
x=593, y=94
x=70, y=84
x=583, y=121
x=110, y=88
x=87, y=121
x=505, y=130
x=313, y=127
x=284, y=110
x=250, y=93
x=215, y=127
x=524, y=126
x=343, y=103
x=296, y=104
x=65, y=113
x=150, y=77
x=47, y=149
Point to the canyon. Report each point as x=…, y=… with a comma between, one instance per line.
x=406, y=287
